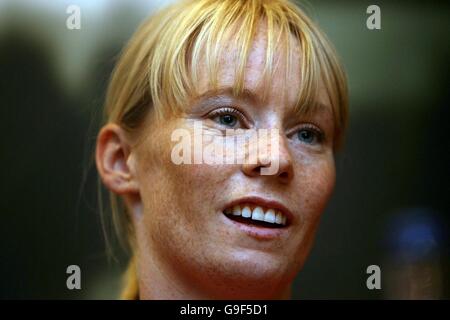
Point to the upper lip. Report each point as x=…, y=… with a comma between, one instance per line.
x=264, y=202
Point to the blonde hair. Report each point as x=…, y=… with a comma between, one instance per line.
x=158, y=69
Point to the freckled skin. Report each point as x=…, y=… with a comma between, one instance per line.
x=184, y=248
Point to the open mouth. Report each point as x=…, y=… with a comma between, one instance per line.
x=255, y=215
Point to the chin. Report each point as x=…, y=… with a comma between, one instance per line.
x=257, y=266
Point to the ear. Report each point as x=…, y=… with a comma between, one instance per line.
x=111, y=156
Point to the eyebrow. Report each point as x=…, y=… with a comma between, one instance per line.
x=246, y=95
x=249, y=96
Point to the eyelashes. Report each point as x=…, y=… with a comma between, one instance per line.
x=228, y=116
x=226, y=110
x=310, y=134
x=231, y=118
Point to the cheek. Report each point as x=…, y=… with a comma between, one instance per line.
x=194, y=187
x=179, y=205
x=315, y=182
x=177, y=198
x=320, y=179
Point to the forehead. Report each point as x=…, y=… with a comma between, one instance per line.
x=279, y=87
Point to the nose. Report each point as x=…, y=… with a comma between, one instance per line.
x=275, y=160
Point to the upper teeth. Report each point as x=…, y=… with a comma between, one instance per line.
x=258, y=213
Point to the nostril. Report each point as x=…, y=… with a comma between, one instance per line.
x=284, y=175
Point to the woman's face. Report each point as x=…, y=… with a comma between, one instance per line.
x=183, y=228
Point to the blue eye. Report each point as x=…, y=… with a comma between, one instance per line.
x=228, y=120
x=308, y=136
x=228, y=117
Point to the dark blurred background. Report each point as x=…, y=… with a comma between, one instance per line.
x=391, y=205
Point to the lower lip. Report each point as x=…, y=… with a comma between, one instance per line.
x=256, y=231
